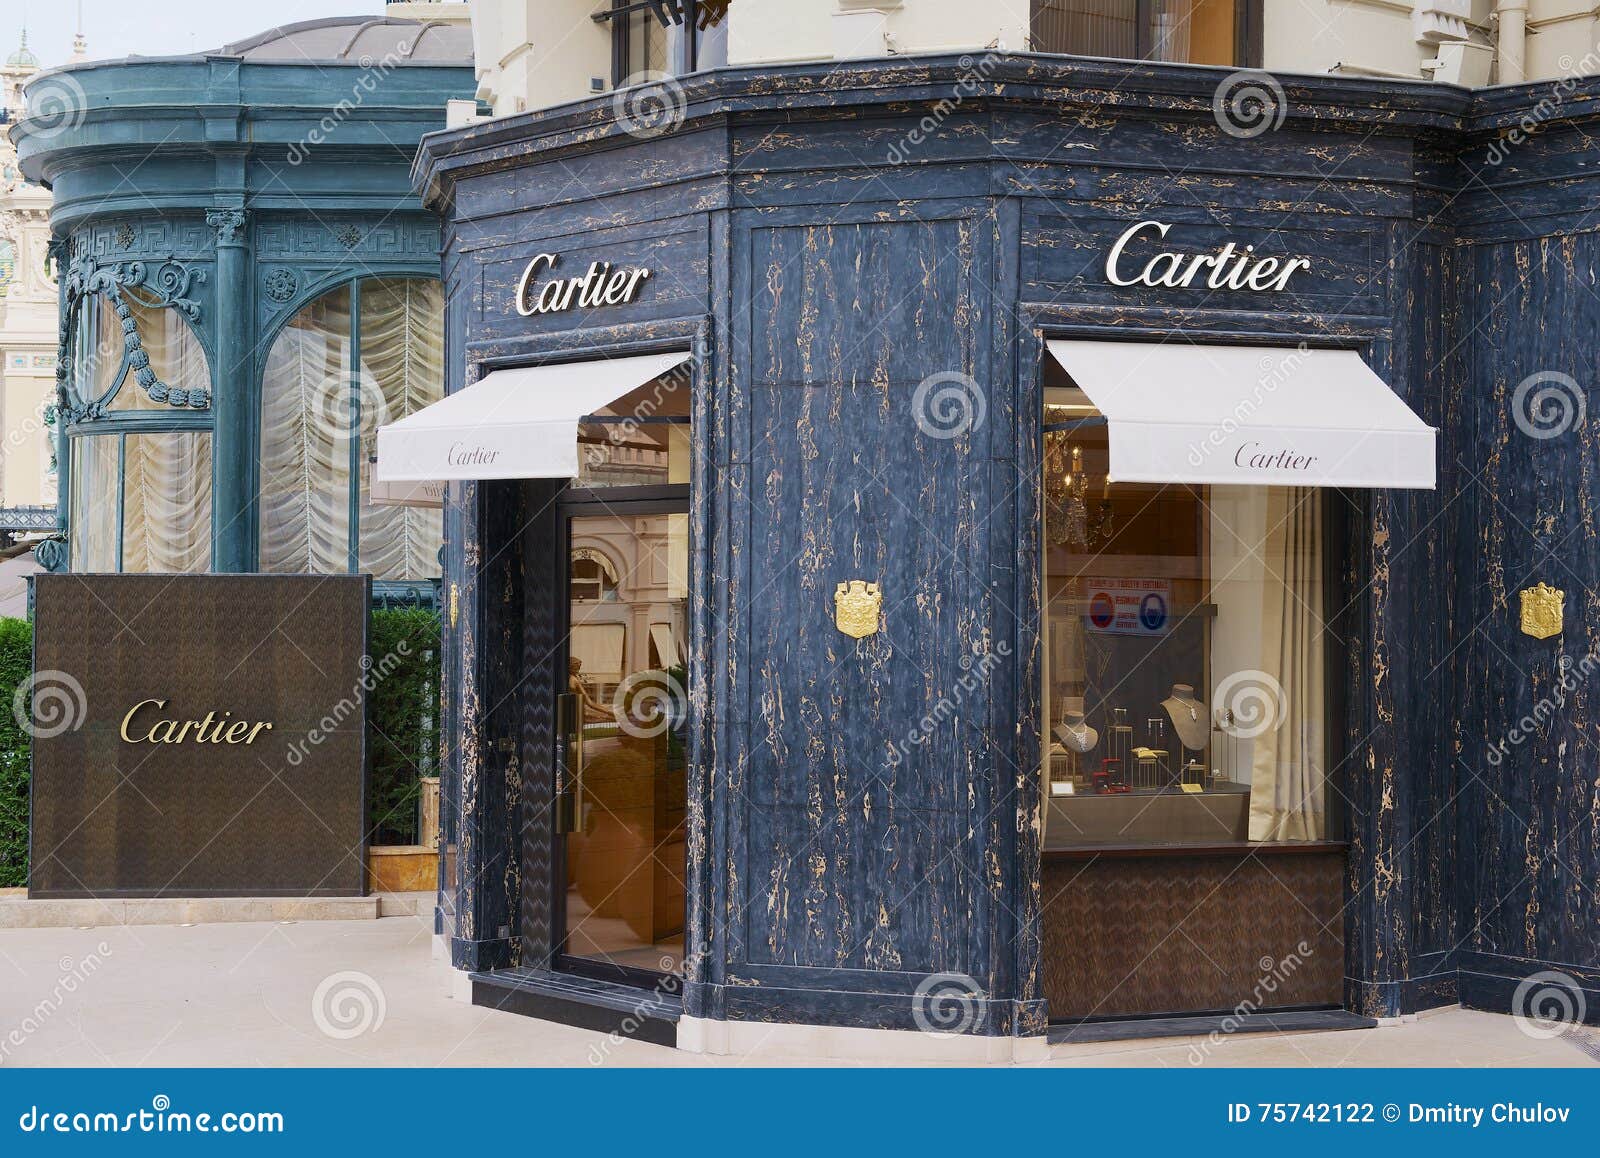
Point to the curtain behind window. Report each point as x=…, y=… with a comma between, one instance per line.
x=1288, y=786
x=402, y=370
x=175, y=354
x=94, y=504
x=166, y=512
x=305, y=447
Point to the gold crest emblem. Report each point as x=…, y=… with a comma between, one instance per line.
x=856, y=606
x=1541, y=611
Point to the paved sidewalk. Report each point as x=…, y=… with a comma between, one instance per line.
x=248, y=995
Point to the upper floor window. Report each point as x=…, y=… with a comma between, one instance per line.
x=655, y=38
x=1216, y=32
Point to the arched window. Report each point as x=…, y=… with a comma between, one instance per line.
x=140, y=496
x=358, y=357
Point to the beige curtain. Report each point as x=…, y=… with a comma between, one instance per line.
x=175, y=353
x=402, y=370
x=94, y=504
x=1288, y=786
x=305, y=447
x=166, y=508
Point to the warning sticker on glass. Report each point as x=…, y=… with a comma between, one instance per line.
x=1128, y=606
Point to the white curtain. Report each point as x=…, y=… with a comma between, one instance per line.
x=402, y=370
x=166, y=508
x=305, y=447
x=94, y=504
x=1288, y=786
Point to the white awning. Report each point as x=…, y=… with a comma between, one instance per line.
x=1274, y=415
x=519, y=423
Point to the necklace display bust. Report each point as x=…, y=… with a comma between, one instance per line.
x=1190, y=718
x=1075, y=733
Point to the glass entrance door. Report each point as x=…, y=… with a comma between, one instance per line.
x=621, y=742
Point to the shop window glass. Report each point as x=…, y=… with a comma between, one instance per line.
x=97, y=350
x=141, y=502
x=642, y=439
x=1185, y=654
x=402, y=363
x=174, y=351
x=93, y=514
x=319, y=418
x=1185, y=31
x=166, y=502
x=305, y=442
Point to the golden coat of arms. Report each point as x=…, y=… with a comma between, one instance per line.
x=1541, y=611
x=856, y=607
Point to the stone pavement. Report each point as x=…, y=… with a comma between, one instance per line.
x=333, y=993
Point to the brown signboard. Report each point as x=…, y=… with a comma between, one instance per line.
x=198, y=735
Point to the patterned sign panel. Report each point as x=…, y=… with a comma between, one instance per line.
x=198, y=735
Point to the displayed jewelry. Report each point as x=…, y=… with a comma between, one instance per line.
x=1074, y=732
x=1190, y=718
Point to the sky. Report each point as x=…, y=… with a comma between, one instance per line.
x=117, y=28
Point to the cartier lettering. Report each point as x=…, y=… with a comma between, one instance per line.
x=148, y=722
x=460, y=454
x=599, y=286
x=1231, y=267
x=1252, y=457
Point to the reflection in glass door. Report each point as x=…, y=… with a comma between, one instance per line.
x=621, y=759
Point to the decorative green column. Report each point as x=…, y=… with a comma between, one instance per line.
x=233, y=542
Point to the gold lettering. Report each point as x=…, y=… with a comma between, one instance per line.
x=126, y=720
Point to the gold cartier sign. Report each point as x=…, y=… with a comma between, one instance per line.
x=1228, y=268
x=600, y=286
x=1542, y=608
x=153, y=727
x=856, y=607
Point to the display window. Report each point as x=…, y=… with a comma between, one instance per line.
x=1186, y=652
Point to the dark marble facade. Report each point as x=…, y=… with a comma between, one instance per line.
x=828, y=239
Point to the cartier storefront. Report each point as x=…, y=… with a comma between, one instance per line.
x=986, y=593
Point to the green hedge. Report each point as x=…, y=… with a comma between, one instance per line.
x=403, y=730
x=403, y=719
x=16, y=662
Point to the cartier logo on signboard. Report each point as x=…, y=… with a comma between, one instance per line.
x=1230, y=267
x=148, y=722
x=599, y=286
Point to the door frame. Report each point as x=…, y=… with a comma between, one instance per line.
x=577, y=503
